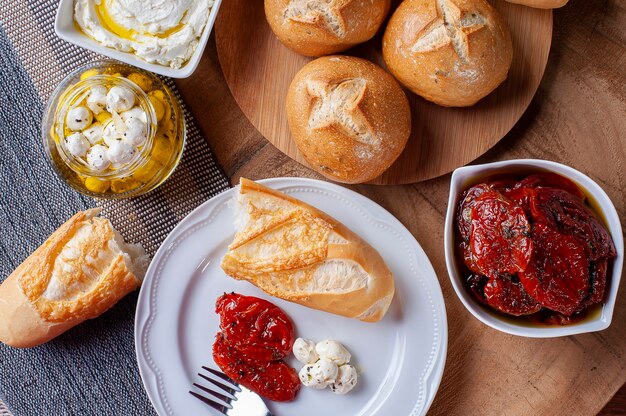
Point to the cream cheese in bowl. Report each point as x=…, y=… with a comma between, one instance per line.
x=165, y=32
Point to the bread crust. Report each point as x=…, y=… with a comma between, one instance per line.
x=450, y=52
x=349, y=118
x=21, y=325
x=367, y=302
x=541, y=4
x=75, y=275
x=316, y=28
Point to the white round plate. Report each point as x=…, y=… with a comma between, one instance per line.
x=400, y=359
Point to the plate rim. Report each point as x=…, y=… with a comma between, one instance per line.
x=433, y=372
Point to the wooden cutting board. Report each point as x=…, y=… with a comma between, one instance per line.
x=576, y=118
x=259, y=69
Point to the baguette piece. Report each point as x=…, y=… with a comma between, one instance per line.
x=324, y=27
x=295, y=252
x=541, y=4
x=78, y=273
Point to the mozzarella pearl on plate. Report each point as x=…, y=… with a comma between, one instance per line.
x=97, y=158
x=333, y=351
x=306, y=378
x=326, y=365
x=345, y=381
x=78, y=118
x=77, y=144
x=97, y=99
x=318, y=375
x=324, y=372
x=119, y=99
x=121, y=152
x=304, y=351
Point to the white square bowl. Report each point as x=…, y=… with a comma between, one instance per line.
x=465, y=177
x=66, y=29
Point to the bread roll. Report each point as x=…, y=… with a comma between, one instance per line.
x=451, y=52
x=323, y=27
x=78, y=273
x=349, y=118
x=295, y=252
x=541, y=4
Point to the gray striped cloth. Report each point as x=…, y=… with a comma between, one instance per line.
x=91, y=369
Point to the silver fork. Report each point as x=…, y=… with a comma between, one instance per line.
x=235, y=400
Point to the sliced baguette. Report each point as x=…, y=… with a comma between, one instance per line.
x=295, y=252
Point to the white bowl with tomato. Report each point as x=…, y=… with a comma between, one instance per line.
x=533, y=248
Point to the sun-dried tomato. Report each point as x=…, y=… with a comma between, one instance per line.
x=499, y=239
x=256, y=335
x=273, y=380
x=466, y=255
x=521, y=197
x=546, y=316
x=558, y=273
x=507, y=295
x=468, y=198
x=568, y=214
x=597, y=276
x=477, y=283
x=257, y=328
x=562, y=264
x=502, y=183
x=550, y=180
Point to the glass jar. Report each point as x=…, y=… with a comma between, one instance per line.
x=98, y=150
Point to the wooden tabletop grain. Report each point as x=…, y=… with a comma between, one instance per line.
x=578, y=117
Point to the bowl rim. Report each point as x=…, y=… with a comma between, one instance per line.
x=65, y=29
x=460, y=181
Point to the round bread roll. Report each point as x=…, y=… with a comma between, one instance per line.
x=541, y=4
x=324, y=27
x=451, y=52
x=349, y=118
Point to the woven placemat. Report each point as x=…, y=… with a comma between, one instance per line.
x=90, y=370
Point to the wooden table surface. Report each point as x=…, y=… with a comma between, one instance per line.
x=578, y=117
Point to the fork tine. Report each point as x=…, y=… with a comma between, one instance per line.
x=231, y=383
x=222, y=386
x=217, y=394
x=220, y=375
x=219, y=407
